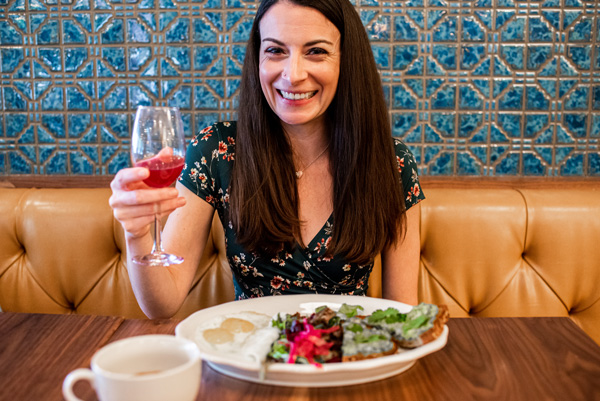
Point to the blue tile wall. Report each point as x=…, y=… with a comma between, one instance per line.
x=474, y=87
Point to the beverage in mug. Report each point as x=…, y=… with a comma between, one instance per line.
x=148, y=368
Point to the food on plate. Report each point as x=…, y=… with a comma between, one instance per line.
x=327, y=336
x=247, y=335
x=321, y=334
x=362, y=341
x=422, y=324
x=312, y=339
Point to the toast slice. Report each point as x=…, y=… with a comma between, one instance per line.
x=362, y=341
x=424, y=323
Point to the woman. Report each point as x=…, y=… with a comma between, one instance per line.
x=306, y=183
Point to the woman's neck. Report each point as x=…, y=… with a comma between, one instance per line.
x=307, y=141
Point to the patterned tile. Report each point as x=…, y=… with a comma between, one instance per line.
x=475, y=88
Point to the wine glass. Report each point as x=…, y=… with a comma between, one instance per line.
x=158, y=143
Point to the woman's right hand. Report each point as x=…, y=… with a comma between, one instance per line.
x=135, y=204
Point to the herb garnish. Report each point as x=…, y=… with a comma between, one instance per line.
x=390, y=315
x=414, y=323
x=350, y=310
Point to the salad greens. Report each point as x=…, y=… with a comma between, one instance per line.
x=350, y=310
x=390, y=315
x=318, y=338
x=414, y=323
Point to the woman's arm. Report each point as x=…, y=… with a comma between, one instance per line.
x=400, y=263
x=160, y=291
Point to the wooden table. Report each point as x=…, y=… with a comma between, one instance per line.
x=485, y=359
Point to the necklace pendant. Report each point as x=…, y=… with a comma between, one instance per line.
x=299, y=174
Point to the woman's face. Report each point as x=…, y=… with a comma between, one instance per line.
x=299, y=62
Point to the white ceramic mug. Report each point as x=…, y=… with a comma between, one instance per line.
x=148, y=368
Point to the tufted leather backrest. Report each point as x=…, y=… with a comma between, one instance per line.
x=513, y=252
x=484, y=252
x=61, y=251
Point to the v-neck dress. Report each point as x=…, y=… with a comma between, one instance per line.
x=207, y=173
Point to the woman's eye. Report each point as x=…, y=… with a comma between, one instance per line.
x=273, y=50
x=317, y=51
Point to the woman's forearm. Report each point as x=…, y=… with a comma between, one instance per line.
x=161, y=290
x=154, y=287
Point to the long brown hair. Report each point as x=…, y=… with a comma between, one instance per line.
x=368, y=201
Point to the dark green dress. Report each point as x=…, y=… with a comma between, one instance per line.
x=207, y=173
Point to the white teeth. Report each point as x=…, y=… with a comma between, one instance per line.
x=297, y=96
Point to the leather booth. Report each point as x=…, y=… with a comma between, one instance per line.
x=486, y=252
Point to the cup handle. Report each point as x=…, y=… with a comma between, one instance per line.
x=72, y=378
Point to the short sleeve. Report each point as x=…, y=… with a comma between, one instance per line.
x=407, y=166
x=199, y=172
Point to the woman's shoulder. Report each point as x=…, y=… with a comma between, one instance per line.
x=228, y=127
x=212, y=136
x=219, y=129
x=403, y=151
x=409, y=172
x=400, y=145
x=209, y=157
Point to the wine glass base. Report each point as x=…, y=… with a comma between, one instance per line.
x=158, y=259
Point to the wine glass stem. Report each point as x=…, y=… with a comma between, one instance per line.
x=157, y=244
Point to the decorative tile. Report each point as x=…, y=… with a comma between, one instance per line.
x=477, y=88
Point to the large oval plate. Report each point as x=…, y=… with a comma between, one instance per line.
x=281, y=374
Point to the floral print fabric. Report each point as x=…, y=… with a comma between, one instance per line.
x=207, y=173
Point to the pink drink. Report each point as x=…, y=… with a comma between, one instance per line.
x=163, y=171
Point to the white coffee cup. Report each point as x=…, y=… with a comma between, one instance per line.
x=148, y=368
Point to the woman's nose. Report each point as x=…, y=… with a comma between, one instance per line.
x=294, y=70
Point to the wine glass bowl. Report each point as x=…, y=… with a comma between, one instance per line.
x=164, y=168
x=158, y=144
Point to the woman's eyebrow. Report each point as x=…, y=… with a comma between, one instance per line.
x=311, y=43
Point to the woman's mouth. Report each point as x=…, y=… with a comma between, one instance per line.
x=297, y=95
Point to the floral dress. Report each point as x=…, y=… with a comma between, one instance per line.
x=207, y=173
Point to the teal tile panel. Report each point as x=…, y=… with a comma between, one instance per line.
x=475, y=88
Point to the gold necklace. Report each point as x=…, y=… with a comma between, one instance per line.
x=300, y=173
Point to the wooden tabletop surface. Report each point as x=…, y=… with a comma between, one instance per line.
x=484, y=359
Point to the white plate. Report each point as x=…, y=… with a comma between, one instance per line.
x=329, y=375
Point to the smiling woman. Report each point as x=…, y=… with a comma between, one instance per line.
x=309, y=185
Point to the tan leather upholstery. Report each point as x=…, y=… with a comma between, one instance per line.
x=505, y=252
x=61, y=252
x=485, y=252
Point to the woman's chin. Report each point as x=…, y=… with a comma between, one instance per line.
x=298, y=120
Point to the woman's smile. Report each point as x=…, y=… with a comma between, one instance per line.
x=296, y=95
